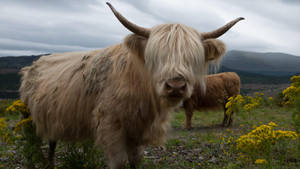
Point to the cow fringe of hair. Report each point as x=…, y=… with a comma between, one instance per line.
x=176, y=49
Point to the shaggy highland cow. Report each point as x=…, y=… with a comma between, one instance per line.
x=119, y=96
x=219, y=87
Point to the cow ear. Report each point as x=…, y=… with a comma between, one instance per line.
x=136, y=44
x=214, y=49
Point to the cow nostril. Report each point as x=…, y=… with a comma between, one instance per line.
x=183, y=87
x=168, y=86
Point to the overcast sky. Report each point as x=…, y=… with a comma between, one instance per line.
x=46, y=26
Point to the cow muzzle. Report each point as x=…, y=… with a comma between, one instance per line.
x=176, y=87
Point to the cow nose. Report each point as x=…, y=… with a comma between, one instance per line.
x=176, y=86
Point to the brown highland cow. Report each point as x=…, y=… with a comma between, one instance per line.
x=119, y=96
x=219, y=87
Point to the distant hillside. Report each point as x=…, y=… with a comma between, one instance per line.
x=9, y=74
x=275, y=64
x=16, y=63
x=256, y=78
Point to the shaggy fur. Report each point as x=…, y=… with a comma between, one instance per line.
x=115, y=95
x=219, y=88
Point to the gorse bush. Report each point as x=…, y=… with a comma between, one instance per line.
x=263, y=141
x=3, y=105
x=278, y=99
x=270, y=101
x=18, y=107
x=254, y=102
x=23, y=138
x=292, y=92
x=28, y=146
x=234, y=104
x=5, y=134
x=247, y=103
x=296, y=122
x=296, y=115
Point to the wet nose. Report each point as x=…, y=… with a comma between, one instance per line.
x=176, y=86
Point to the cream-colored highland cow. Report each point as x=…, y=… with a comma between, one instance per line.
x=219, y=87
x=119, y=96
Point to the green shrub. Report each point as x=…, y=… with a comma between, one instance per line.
x=29, y=144
x=3, y=105
x=81, y=155
x=296, y=115
x=264, y=144
x=296, y=122
x=278, y=100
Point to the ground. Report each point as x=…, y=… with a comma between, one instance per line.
x=201, y=147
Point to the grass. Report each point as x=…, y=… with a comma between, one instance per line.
x=3, y=105
x=202, y=147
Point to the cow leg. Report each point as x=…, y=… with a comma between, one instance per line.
x=230, y=120
x=51, y=153
x=135, y=155
x=188, y=108
x=116, y=154
x=188, y=120
x=225, y=119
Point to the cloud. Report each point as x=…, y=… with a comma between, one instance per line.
x=71, y=25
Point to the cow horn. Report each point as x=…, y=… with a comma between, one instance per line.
x=129, y=25
x=219, y=32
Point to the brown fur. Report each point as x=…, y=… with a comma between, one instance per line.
x=115, y=95
x=219, y=88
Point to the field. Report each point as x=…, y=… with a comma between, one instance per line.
x=207, y=145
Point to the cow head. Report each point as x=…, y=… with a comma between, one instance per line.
x=176, y=55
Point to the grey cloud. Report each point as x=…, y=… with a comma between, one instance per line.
x=32, y=26
x=291, y=1
x=9, y=44
x=54, y=5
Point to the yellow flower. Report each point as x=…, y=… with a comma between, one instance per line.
x=293, y=91
x=272, y=124
x=17, y=106
x=260, y=161
x=295, y=81
x=22, y=123
x=2, y=124
x=228, y=104
x=261, y=135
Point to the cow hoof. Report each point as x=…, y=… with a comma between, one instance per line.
x=189, y=128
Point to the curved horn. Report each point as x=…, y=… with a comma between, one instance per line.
x=219, y=32
x=129, y=25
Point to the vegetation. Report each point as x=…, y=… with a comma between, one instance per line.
x=263, y=135
x=291, y=93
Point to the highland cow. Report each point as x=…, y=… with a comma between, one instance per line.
x=219, y=88
x=119, y=96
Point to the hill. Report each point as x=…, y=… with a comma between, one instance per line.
x=9, y=74
x=271, y=64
